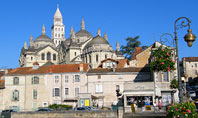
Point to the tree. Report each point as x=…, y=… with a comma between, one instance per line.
x=132, y=43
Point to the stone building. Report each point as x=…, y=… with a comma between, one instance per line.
x=79, y=47
x=190, y=66
x=28, y=88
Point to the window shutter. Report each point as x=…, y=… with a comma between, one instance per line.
x=53, y=92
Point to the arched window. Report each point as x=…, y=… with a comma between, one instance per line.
x=48, y=56
x=15, y=95
x=42, y=56
x=96, y=58
x=54, y=57
x=58, y=35
x=74, y=53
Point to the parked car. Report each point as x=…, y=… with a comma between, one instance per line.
x=91, y=108
x=7, y=113
x=44, y=110
x=81, y=109
x=192, y=93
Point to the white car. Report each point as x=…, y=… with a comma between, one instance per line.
x=192, y=94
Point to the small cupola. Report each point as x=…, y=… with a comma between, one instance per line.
x=35, y=65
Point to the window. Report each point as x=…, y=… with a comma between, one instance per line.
x=195, y=64
x=55, y=35
x=74, y=53
x=31, y=58
x=99, y=88
x=58, y=35
x=56, y=92
x=66, y=91
x=56, y=79
x=78, y=40
x=96, y=58
x=16, y=81
x=61, y=29
x=55, y=29
x=35, y=80
x=58, y=29
x=15, y=95
x=196, y=72
x=76, y=91
x=66, y=79
x=42, y=56
x=48, y=56
x=35, y=94
x=105, y=56
x=165, y=76
x=117, y=87
x=54, y=57
x=76, y=78
x=99, y=76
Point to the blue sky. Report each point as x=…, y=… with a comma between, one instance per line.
x=119, y=18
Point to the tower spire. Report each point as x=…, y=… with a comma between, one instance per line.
x=117, y=46
x=105, y=36
x=99, y=32
x=72, y=33
x=25, y=45
x=83, y=24
x=43, y=30
x=31, y=44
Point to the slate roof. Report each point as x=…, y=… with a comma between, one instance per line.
x=129, y=69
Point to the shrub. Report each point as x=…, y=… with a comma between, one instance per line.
x=182, y=110
x=60, y=107
x=162, y=59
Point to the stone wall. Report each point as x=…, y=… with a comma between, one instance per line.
x=68, y=114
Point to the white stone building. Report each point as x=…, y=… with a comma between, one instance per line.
x=79, y=47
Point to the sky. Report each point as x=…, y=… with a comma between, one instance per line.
x=120, y=19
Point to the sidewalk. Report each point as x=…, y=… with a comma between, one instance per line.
x=145, y=115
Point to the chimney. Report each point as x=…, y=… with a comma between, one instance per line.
x=35, y=65
x=81, y=67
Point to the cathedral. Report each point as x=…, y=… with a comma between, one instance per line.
x=80, y=47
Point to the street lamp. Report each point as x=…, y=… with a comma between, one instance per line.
x=189, y=38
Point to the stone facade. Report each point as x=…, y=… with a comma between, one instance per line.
x=79, y=47
x=28, y=88
x=190, y=67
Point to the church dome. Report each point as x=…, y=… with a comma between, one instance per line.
x=83, y=33
x=43, y=38
x=98, y=40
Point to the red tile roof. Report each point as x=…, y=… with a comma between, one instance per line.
x=120, y=62
x=49, y=69
x=190, y=58
x=137, y=51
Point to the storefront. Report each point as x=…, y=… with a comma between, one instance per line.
x=142, y=100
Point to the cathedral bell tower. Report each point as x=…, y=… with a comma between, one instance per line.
x=58, y=28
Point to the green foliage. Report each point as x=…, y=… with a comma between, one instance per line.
x=60, y=107
x=129, y=49
x=162, y=59
x=182, y=110
x=174, y=84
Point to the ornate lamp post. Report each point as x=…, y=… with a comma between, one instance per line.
x=189, y=38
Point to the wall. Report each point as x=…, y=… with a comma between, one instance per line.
x=68, y=114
